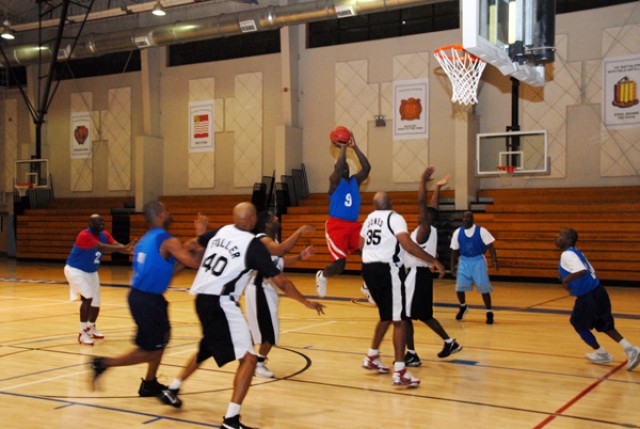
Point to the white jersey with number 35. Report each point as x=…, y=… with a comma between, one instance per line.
x=379, y=232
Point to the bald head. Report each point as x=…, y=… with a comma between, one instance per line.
x=244, y=216
x=382, y=201
x=96, y=223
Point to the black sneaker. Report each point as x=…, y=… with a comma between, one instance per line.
x=98, y=367
x=151, y=388
x=449, y=349
x=170, y=397
x=489, y=317
x=233, y=423
x=412, y=359
x=462, y=311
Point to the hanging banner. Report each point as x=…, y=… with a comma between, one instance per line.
x=410, y=109
x=81, y=144
x=620, y=108
x=201, y=126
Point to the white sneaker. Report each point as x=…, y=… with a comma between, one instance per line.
x=599, y=358
x=365, y=291
x=93, y=331
x=262, y=371
x=633, y=357
x=373, y=362
x=321, y=284
x=85, y=338
x=404, y=378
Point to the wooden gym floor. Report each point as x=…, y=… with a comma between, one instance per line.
x=526, y=371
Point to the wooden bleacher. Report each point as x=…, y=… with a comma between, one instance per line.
x=525, y=223
x=49, y=233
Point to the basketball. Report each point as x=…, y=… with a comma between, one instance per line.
x=340, y=135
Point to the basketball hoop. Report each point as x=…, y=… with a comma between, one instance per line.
x=464, y=71
x=22, y=187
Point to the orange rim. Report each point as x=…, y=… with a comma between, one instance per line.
x=440, y=52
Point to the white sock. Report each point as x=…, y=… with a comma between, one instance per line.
x=83, y=326
x=232, y=410
x=625, y=344
x=413, y=352
x=448, y=340
x=601, y=350
x=373, y=352
x=175, y=384
x=398, y=366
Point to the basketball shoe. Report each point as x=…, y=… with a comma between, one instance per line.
x=412, y=359
x=233, y=423
x=633, y=357
x=373, y=363
x=170, y=397
x=449, y=349
x=489, y=317
x=404, y=378
x=599, y=357
x=262, y=371
x=84, y=337
x=151, y=388
x=93, y=331
x=321, y=284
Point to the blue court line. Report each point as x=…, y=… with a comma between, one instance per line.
x=153, y=417
x=343, y=299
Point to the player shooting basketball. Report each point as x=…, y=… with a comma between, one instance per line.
x=342, y=230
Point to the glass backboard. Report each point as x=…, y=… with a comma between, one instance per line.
x=515, y=36
x=524, y=151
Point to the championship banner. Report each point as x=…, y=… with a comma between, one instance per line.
x=410, y=109
x=620, y=108
x=201, y=126
x=81, y=145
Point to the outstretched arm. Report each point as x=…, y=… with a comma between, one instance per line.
x=435, y=198
x=361, y=175
x=290, y=289
x=410, y=246
x=306, y=253
x=281, y=249
x=422, y=196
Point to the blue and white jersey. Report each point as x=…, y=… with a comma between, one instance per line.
x=571, y=261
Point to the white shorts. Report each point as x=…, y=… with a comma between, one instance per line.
x=83, y=283
x=262, y=313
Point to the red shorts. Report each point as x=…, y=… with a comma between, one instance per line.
x=343, y=237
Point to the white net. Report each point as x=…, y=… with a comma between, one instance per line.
x=464, y=71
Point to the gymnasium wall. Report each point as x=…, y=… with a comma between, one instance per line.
x=347, y=84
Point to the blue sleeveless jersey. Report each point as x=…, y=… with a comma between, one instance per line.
x=151, y=272
x=471, y=246
x=345, y=200
x=87, y=260
x=584, y=284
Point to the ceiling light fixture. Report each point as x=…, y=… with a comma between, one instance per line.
x=158, y=10
x=7, y=33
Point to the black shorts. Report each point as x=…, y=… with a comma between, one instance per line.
x=419, y=299
x=385, y=285
x=151, y=313
x=593, y=311
x=225, y=333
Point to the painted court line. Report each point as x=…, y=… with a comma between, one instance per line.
x=579, y=396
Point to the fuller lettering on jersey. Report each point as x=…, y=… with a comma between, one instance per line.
x=227, y=245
